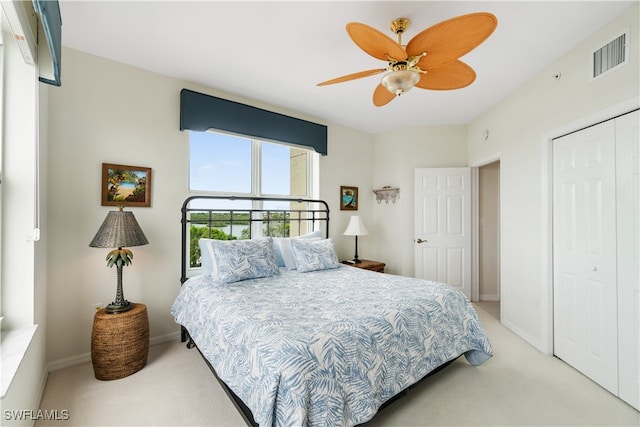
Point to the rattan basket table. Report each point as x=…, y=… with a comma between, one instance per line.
x=119, y=342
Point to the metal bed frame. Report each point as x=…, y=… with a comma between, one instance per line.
x=299, y=217
x=315, y=213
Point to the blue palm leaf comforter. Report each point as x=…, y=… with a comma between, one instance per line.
x=327, y=348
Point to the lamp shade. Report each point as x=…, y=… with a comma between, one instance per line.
x=400, y=81
x=356, y=227
x=119, y=230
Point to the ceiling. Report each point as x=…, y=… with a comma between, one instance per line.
x=276, y=52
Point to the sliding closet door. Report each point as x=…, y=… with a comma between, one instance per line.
x=584, y=229
x=628, y=206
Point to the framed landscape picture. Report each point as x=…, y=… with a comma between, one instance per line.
x=126, y=185
x=348, y=198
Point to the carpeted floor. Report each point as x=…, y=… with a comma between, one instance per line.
x=519, y=386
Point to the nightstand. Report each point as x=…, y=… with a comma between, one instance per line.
x=119, y=342
x=367, y=264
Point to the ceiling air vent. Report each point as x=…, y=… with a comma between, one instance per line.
x=611, y=56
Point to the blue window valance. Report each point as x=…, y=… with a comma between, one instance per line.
x=200, y=112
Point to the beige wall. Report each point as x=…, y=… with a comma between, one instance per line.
x=349, y=162
x=111, y=113
x=489, y=232
x=520, y=127
x=396, y=155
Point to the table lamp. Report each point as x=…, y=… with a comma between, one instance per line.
x=119, y=230
x=356, y=228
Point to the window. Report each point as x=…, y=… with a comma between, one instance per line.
x=20, y=298
x=20, y=97
x=228, y=164
x=225, y=164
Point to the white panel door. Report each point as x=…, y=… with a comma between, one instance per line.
x=443, y=226
x=628, y=207
x=584, y=245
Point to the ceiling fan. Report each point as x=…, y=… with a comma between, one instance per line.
x=428, y=61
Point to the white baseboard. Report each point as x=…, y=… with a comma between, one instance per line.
x=68, y=362
x=525, y=336
x=43, y=384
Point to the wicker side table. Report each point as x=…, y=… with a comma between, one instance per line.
x=119, y=342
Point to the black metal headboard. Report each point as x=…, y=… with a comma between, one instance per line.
x=302, y=215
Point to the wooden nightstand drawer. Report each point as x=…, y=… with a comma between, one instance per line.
x=366, y=264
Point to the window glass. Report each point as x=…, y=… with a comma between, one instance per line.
x=276, y=171
x=284, y=170
x=219, y=162
x=223, y=163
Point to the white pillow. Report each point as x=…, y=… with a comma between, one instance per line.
x=283, y=251
x=314, y=255
x=207, y=258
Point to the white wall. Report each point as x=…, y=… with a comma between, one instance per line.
x=396, y=155
x=113, y=113
x=520, y=126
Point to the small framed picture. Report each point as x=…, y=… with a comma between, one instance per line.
x=348, y=198
x=126, y=185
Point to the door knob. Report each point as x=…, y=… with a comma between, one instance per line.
x=421, y=241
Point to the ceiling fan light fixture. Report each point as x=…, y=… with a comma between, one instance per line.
x=429, y=61
x=400, y=81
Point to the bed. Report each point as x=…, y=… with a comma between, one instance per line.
x=297, y=338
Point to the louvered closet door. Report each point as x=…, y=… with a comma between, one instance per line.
x=584, y=244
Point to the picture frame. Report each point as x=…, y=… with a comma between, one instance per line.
x=348, y=198
x=124, y=185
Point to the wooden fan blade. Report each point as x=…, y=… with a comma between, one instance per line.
x=452, y=75
x=451, y=39
x=374, y=42
x=381, y=96
x=353, y=76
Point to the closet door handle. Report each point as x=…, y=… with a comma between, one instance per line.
x=421, y=241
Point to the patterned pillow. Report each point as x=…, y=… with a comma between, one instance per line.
x=283, y=251
x=244, y=259
x=314, y=255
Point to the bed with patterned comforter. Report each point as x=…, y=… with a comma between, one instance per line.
x=329, y=347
